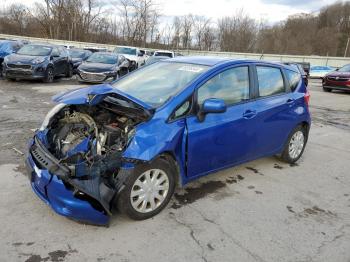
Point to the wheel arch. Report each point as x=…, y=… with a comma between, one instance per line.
x=306, y=126
x=171, y=158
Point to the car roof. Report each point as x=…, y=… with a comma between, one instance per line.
x=107, y=53
x=200, y=60
x=216, y=60
x=44, y=44
x=164, y=51
x=133, y=47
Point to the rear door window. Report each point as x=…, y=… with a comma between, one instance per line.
x=270, y=81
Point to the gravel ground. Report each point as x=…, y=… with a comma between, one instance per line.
x=264, y=210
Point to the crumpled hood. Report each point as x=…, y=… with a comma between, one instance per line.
x=25, y=59
x=92, y=95
x=339, y=74
x=96, y=67
x=130, y=57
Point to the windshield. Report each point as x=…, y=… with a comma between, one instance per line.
x=35, y=50
x=77, y=53
x=125, y=50
x=156, y=83
x=345, y=68
x=103, y=58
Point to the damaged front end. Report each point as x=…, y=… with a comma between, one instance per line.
x=75, y=159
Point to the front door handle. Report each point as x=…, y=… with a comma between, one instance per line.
x=290, y=101
x=249, y=114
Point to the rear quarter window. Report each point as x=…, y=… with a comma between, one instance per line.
x=293, y=79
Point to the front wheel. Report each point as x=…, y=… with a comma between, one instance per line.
x=295, y=145
x=49, y=75
x=148, y=190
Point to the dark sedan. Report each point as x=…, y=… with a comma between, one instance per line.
x=78, y=56
x=337, y=80
x=38, y=61
x=102, y=67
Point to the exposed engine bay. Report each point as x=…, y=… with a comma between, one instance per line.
x=83, y=145
x=86, y=137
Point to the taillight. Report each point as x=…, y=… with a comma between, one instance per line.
x=307, y=97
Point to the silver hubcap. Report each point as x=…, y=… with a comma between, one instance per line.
x=149, y=190
x=49, y=75
x=296, y=144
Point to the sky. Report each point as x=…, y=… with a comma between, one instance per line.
x=270, y=10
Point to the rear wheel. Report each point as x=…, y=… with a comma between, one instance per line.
x=49, y=75
x=148, y=190
x=326, y=89
x=295, y=145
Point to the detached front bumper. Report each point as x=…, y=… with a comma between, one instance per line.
x=59, y=194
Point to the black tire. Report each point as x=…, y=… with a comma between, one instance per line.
x=325, y=89
x=69, y=72
x=286, y=155
x=123, y=200
x=10, y=79
x=49, y=75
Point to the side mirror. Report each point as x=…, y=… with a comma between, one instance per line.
x=211, y=105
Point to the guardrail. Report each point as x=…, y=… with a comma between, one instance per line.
x=313, y=60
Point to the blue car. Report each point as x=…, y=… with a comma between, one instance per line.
x=8, y=47
x=320, y=71
x=126, y=144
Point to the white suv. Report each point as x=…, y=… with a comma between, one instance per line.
x=133, y=54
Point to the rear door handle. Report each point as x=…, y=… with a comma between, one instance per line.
x=249, y=114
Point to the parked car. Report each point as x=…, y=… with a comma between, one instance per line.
x=8, y=47
x=95, y=49
x=136, y=57
x=78, y=56
x=149, y=53
x=299, y=68
x=38, y=61
x=69, y=46
x=155, y=59
x=320, y=71
x=169, y=54
x=128, y=143
x=101, y=67
x=337, y=80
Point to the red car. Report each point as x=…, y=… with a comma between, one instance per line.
x=337, y=80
